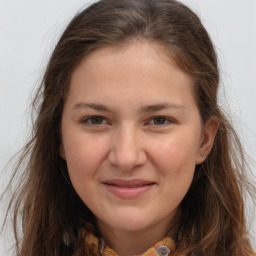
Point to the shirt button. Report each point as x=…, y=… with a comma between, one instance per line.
x=162, y=250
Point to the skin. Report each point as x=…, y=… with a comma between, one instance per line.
x=148, y=128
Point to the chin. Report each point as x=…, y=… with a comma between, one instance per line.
x=130, y=222
x=131, y=226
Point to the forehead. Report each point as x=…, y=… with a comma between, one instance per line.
x=138, y=69
x=141, y=49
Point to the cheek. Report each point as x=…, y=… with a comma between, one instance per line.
x=176, y=153
x=174, y=160
x=84, y=155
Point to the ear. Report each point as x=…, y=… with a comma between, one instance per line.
x=208, y=135
x=62, y=152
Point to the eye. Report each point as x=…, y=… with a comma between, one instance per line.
x=160, y=120
x=94, y=120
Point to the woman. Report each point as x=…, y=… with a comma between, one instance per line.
x=131, y=154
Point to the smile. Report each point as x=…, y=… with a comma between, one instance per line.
x=128, y=189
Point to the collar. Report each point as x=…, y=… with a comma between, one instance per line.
x=162, y=248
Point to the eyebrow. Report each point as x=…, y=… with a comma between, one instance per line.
x=162, y=106
x=99, y=107
x=143, y=109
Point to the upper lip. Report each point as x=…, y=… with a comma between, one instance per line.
x=128, y=183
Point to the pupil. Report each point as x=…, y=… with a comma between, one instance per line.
x=97, y=120
x=159, y=121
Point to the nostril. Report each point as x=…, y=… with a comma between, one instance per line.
x=127, y=151
x=126, y=160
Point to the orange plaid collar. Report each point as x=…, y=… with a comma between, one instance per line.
x=162, y=248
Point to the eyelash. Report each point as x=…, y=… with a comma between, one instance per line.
x=89, y=121
x=163, y=118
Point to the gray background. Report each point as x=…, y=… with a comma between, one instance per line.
x=29, y=30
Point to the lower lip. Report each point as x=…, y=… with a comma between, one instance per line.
x=128, y=192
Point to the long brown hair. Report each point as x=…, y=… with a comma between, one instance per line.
x=54, y=219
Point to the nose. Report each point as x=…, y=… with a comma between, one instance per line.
x=127, y=150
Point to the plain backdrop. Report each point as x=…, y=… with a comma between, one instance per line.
x=29, y=30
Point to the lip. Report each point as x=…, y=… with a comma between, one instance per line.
x=128, y=189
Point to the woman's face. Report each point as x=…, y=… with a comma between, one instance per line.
x=132, y=136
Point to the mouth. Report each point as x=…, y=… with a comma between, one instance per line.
x=128, y=189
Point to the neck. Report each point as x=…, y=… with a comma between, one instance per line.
x=126, y=243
